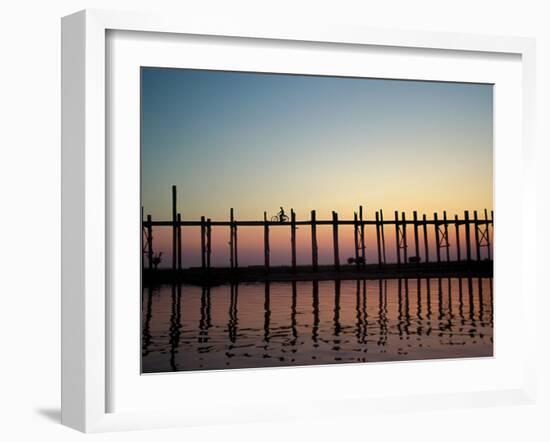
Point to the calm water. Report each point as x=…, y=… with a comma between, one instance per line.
x=302, y=323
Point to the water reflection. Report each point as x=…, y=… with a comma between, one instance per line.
x=187, y=327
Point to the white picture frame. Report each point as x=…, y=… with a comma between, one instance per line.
x=86, y=202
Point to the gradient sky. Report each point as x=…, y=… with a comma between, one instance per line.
x=259, y=141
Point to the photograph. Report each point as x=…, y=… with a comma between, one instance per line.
x=307, y=219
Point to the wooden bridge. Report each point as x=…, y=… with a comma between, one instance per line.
x=474, y=227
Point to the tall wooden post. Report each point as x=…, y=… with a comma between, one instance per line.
x=293, y=238
x=362, y=236
x=356, y=238
x=203, y=243
x=174, y=230
x=404, y=230
x=416, y=245
x=446, y=230
x=457, y=230
x=143, y=246
x=476, y=236
x=397, y=246
x=488, y=237
x=179, y=242
x=231, y=240
x=382, y=235
x=314, y=253
x=378, y=245
x=335, y=240
x=426, y=245
x=467, y=230
x=437, y=240
x=150, y=243
x=235, y=245
x=266, y=243
x=208, y=242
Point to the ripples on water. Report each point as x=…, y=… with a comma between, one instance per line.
x=302, y=323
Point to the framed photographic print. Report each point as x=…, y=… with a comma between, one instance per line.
x=250, y=213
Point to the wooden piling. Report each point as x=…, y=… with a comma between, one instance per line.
x=404, y=233
x=179, y=242
x=314, y=252
x=437, y=241
x=203, y=243
x=426, y=245
x=457, y=230
x=383, y=236
x=266, y=243
x=397, y=247
x=174, y=228
x=293, y=238
x=235, y=245
x=362, y=236
x=208, y=242
x=446, y=230
x=476, y=237
x=231, y=239
x=467, y=230
x=356, y=238
x=488, y=236
x=150, y=243
x=335, y=240
x=416, y=245
x=378, y=245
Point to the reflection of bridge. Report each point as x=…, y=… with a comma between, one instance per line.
x=404, y=240
x=423, y=307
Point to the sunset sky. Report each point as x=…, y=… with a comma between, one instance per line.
x=255, y=142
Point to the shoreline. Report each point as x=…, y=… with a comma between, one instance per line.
x=223, y=275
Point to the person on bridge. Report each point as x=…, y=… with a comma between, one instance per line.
x=282, y=216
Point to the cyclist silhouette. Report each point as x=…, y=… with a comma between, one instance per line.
x=281, y=215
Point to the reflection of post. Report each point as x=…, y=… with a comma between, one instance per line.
x=428, y=298
x=175, y=325
x=313, y=240
x=335, y=240
x=471, y=298
x=315, y=328
x=267, y=312
x=337, y=326
x=293, y=238
x=146, y=334
x=480, y=297
x=205, y=320
x=293, y=313
x=233, y=311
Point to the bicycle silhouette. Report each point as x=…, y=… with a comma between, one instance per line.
x=279, y=218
